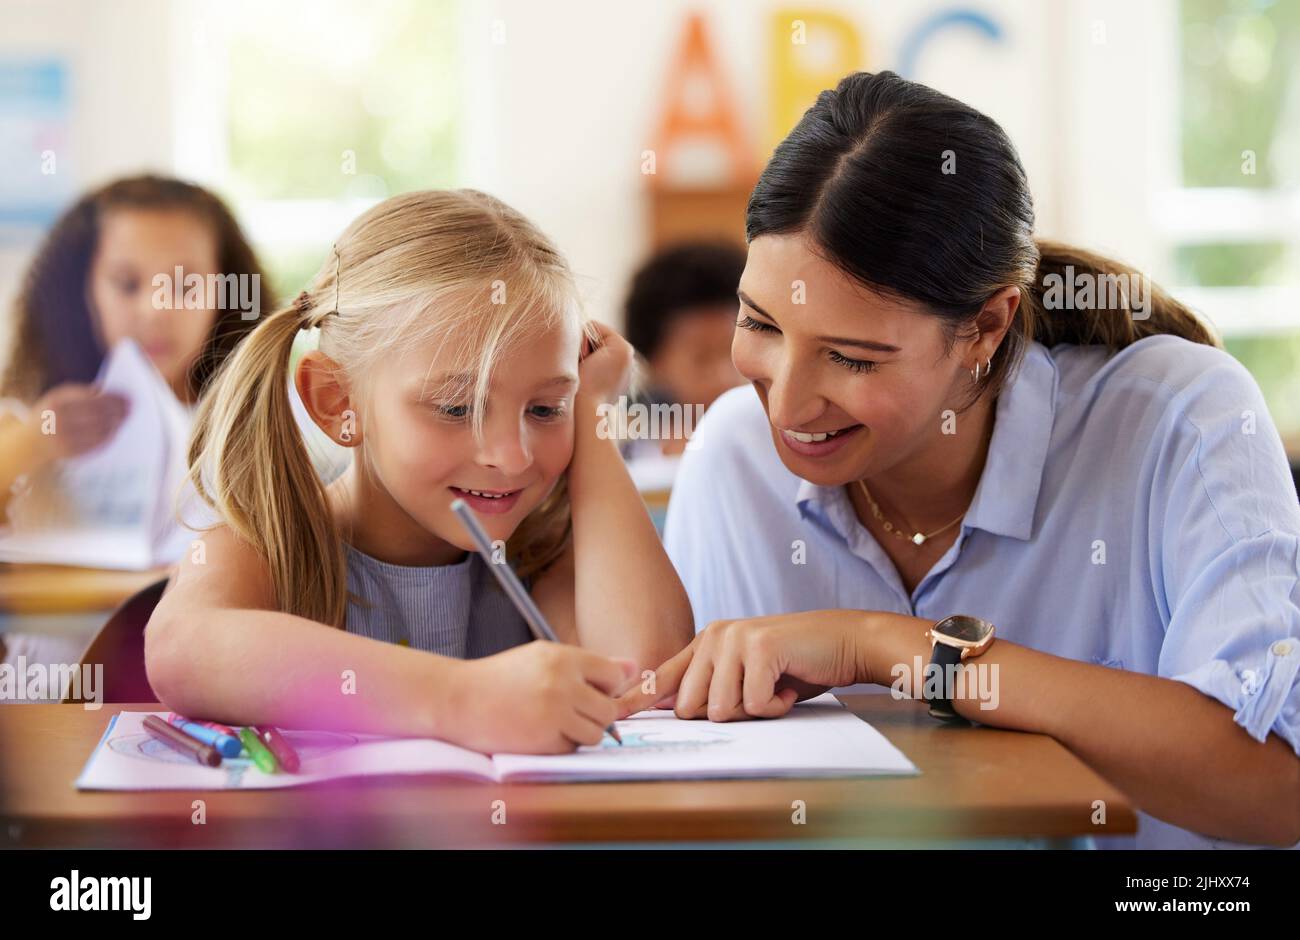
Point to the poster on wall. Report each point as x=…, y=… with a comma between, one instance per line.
x=35, y=136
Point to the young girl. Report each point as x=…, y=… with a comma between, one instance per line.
x=451, y=360
x=89, y=287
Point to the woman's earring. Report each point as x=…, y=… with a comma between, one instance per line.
x=976, y=373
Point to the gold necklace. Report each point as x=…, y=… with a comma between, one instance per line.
x=916, y=538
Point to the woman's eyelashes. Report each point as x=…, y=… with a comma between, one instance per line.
x=757, y=326
x=853, y=365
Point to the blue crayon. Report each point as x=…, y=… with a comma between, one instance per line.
x=226, y=745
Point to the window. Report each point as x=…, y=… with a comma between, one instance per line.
x=303, y=117
x=1234, y=223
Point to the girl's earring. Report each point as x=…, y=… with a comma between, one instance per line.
x=348, y=430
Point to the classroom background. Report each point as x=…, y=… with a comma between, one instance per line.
x=1131, y=118
x=1165, y=133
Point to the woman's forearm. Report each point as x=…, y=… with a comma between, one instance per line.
x=1176, y=752
x=628, y=598
x=259, y=666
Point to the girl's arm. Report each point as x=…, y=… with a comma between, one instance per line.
x=216, y=648
x=615, y=586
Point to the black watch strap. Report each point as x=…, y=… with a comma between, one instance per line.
x=942, y=657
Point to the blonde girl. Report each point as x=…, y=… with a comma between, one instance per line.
x=452, y=361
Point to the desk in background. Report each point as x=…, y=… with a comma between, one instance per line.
x=59, y=609
x=28, y=590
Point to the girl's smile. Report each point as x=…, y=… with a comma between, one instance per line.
x=489, y=501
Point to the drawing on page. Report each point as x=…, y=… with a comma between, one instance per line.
x=675, y=739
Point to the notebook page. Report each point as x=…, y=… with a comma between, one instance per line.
x=818, y=738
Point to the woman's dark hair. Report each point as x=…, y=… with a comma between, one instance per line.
x=919, y=196
x=673, y=282
x=53, y=337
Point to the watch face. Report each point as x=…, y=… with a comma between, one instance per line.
x=970, y=629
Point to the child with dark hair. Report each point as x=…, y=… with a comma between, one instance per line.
x=91, y=285
x=680, y=315
x=94, y=283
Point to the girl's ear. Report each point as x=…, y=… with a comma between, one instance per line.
x=323, y=389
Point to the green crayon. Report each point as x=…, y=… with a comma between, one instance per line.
x=263, y=758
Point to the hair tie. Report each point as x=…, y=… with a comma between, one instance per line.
x=302, y=304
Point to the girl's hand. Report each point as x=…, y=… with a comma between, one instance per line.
x=759, y=667
x=84, y=418
x=603, y=368
x=539, y=698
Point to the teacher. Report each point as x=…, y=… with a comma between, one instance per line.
x=947, y=417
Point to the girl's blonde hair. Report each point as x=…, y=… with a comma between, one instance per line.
x=457, y=267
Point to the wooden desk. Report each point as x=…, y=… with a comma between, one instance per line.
x=55, y=589
x=976, y=783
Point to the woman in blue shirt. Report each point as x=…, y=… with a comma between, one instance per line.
x=947, y=416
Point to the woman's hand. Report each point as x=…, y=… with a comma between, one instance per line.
x=603, y=367
x=85, y=417
x=756, y=668
x=759, y=667
x=539, y=698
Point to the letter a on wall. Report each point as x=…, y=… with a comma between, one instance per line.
x=699, y=140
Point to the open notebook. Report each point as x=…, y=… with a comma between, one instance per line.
x=818, y=738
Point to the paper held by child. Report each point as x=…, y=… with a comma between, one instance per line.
x=818, y=738
x=111, y=507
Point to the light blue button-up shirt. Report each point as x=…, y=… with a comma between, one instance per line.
x=1135, y=511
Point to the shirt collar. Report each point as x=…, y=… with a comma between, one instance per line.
x=1007, y=496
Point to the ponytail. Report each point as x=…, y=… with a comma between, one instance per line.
x=1101, y=323
x=249, y=463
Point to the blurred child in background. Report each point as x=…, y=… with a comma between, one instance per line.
x=680, y=315
x=90, y=286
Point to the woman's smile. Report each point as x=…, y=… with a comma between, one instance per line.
x=817, y=443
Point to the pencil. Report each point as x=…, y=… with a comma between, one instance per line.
x=511, y=584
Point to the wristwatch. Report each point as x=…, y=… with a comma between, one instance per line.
x=953, y=640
